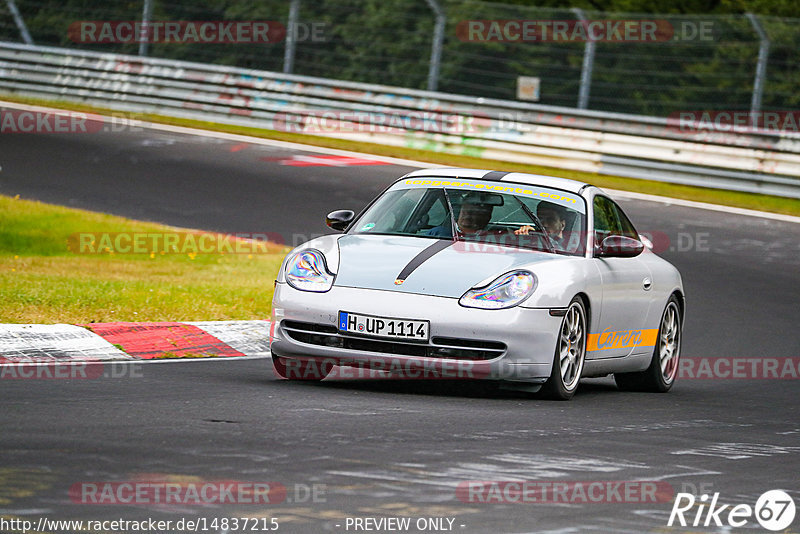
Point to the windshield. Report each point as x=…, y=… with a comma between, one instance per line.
x=519, y=219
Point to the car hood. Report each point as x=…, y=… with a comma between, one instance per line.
x=374, y=262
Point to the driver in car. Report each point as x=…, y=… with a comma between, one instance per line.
x=473, y=217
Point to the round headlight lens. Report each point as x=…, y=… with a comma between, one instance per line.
x=504, y=292
x=306, y=270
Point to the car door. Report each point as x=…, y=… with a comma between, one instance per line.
x=618, y=329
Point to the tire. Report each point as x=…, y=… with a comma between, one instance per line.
x=660, y=375
x=570, y=354
x=306, y=370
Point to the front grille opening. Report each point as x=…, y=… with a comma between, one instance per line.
x=311, y=327
x=442, y=347
x=468, y=343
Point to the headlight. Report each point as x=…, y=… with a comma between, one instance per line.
x=504, y=292
x=306, y=270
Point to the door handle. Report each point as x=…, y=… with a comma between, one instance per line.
x=647, y=283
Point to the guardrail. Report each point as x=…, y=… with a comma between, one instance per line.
x=606, y=143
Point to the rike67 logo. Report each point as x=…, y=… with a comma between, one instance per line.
x=774, y=510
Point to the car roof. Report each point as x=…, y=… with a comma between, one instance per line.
x=573, y=186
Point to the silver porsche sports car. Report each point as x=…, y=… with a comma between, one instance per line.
x=461, y=273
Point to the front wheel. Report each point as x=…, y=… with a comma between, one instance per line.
x=309, y=370
x=570, y=354
x=660, y=376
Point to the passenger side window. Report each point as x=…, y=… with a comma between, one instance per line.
x=609, y=219
x=605, y=219
x=628, y=229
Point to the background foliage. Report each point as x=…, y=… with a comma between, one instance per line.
x=389, y=42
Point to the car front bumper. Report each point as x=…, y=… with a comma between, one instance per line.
x=523, y=340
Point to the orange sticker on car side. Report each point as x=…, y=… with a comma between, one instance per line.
x=622, y=339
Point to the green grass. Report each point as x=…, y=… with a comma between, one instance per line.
x=715, y=196
x=43, y=281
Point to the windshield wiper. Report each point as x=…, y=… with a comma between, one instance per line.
x=453, y=226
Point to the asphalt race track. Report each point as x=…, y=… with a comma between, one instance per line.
x=394, y=448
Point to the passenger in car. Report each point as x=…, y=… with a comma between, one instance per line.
x=554, y=219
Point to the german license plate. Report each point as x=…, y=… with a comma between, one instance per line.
x=387, y=327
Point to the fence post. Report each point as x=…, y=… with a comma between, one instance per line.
x=436, y=47
x=20, y=22
x=761, y=67
x=588, y=65
x=291, y=37
x=144, y=33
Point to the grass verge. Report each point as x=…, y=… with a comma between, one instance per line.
x=753, y=201
x=43, y=281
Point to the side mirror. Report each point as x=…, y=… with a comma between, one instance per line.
x=339, y=220
x=617, y=246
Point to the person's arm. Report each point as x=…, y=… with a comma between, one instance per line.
x=439, y=231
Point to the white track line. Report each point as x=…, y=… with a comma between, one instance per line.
x=703, y=205
x=239, y=138
x=404, y=162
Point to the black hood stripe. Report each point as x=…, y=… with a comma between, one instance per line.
x=494, y=175
x=421, y=258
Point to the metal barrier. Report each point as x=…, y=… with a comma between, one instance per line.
x=606, y=143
